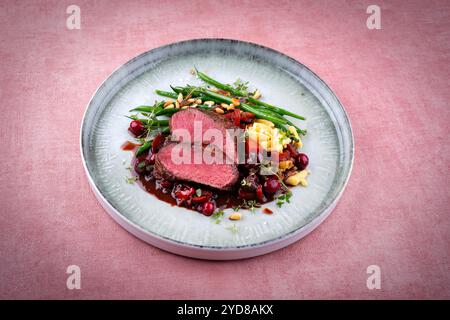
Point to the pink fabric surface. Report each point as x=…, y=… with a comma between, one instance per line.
x=394, y=83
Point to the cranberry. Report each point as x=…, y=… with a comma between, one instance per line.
x=237, y=117
x=136, y=128
x=293, y=152
x=150, y=158
x=302, y=161
x=247, y=195
x=185, y=193
x=260, y=194
x=272, y=185
x=247, y=117
x=283, y=156
x=140, y=166
x=157, y=142
x=200, y=199
x=208, y=208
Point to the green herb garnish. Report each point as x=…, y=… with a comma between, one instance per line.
x=131, y=180
x=217, y=216
x=237, y=208
x=251, y=205
x=241, y=86
x=286, y=197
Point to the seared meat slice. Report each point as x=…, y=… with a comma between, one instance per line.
x=198, y=169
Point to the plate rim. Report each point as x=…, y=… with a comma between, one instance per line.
x=202, y=251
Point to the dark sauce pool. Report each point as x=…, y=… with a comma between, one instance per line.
x=223, y=199
x=163, y=189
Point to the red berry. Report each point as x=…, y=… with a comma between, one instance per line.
x=260, y=194
x=245, y=194
x=237, y=117
x=302, y=161
x=141, y=166
x=247, y=117
x=285, y=155
x=271, y=186
x=150, y=158
x=208, y=208
x=136, y=128
x=185, y=193
x=200, y=199
x=293, y=152
x=158, y=142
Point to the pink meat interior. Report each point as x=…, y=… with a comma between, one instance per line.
x=187, y=118
x=216, y=175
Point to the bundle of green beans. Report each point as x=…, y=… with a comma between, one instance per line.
x=249, y=98
x=260, y=109
x=259, y=112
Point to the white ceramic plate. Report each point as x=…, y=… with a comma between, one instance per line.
x=283, y=81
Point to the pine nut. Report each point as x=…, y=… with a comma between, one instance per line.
x=198, y=101
x=235, y=216
x=286, y=164
x=167, y=103
x=180, y=97
x=219, y=111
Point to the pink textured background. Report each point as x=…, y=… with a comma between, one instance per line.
x=393, y=82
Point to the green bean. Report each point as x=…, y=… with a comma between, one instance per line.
x=160, y=112
x=274, y=108
x=300, y=131
x=167, y=112
x=149, y=109
x=219, y=85
x=260, y=113
x=143, y=109
x=151, y=122
x=147, y=145
x=236, y=92
x=167, y=94
x=257, y=112
x=188, y=90
x=158, y=123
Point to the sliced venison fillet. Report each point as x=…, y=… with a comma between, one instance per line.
x=184, y=122
x=220, y=175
